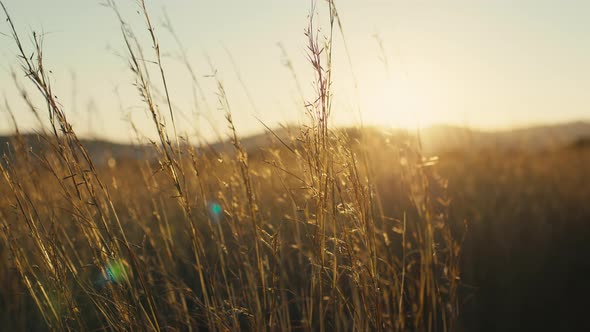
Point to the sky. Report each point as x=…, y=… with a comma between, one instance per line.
x=492, y=64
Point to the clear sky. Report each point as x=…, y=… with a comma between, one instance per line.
x=488, y=64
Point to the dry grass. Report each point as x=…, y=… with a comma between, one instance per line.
x=299, y=237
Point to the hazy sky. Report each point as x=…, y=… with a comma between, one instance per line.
x=490, y=64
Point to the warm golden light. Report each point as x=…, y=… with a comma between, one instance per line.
x=394, y=102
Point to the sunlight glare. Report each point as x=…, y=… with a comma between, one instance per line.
x=394, y=103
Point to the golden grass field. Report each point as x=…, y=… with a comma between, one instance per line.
x=320, y=229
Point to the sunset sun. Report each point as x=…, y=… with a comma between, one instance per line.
x=394, y=103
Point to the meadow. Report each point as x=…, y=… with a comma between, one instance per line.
x=319, y=228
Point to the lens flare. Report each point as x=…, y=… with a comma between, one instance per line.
x=215, y=212
x=115, y=272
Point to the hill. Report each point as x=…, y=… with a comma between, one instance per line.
x=434, y=140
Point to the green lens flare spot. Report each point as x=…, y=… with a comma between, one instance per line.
x=216, y=209
x=116, y=270
x=215, y=212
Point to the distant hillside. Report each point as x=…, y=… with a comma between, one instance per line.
x=435, y=139
x=439, y=139
x=445, y=138
x=100, y=151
